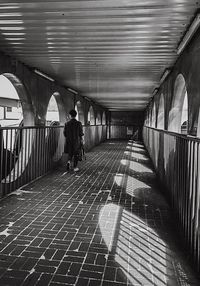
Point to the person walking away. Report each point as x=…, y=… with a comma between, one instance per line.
x=73, y=132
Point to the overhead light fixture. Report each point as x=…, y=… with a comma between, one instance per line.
x=87, y=98
x=187, y=37
x=155, y=91
x=165, y=74
x=43, y=75
x=71, y=90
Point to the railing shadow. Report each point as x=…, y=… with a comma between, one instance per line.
x=141, y=236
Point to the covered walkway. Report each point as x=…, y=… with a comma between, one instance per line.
x=109, y=224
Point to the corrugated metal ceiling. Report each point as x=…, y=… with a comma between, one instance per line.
x=111, y=51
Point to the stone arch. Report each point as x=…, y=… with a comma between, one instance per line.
x=80, y=112
x=52, y=114
x=161, y=113
x=91, y=117
x=55, y=116
x=178, y=115
x=27, y=110
x=55, y=110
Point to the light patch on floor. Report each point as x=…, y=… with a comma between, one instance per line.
x=6, y=231
x=19, y=192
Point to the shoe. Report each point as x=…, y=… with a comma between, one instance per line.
x=76, y=169
x=68, y=166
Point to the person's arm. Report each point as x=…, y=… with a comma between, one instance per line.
x=65, y=130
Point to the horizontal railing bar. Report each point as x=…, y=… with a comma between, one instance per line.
x=30, y=127
x=184, y=136
x=40, y=127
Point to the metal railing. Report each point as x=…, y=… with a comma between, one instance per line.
x=176, y=159
x=94, y=134
x=27, y=153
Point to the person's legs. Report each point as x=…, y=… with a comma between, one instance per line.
x=75, y=161
x=70, y=156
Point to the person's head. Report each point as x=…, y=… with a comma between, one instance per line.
x=73, y=113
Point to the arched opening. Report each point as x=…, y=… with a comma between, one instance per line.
x=184, y=116
x=80, y=113
x=104, y=118
x=15, y=112
x=11, y=113
x=98, y=119
x=161, y=113
x=153, y=116
x=91, y=117
x=55, y=116
x=178, y=116
x=52, y=116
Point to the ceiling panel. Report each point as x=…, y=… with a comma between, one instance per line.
x=112, y=51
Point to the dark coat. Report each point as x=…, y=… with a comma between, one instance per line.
x=73, y=132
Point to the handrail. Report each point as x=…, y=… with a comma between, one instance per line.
x=176, y=159
x=29, y=127
x=184, y=136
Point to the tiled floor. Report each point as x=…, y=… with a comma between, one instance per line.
x=105, y=225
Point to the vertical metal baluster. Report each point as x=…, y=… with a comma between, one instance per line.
x=198, y=211
x=10, y=161
x=18, y=155
x=29, y=153
x=171, y=175
x=36, y=151
x=25, y=154
x=191, y=192
x=33, y=146
x=49, y=148
x=18, y=158
x=14, y=160
x=56, y=152
x=188, y=187
x=181, y=190
x=196, y=218
x=1, y=160
x=42, y=140
x=188, y=194
x=195, y=202
x=45, y=138
x=57, y=149
x=182, y=182
x=193, y=199
x=43, y=151
x=39, y=158
x=21, y=148
x=177, y=177
x=6, y=161
x=46, y=148
x=185, y=185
